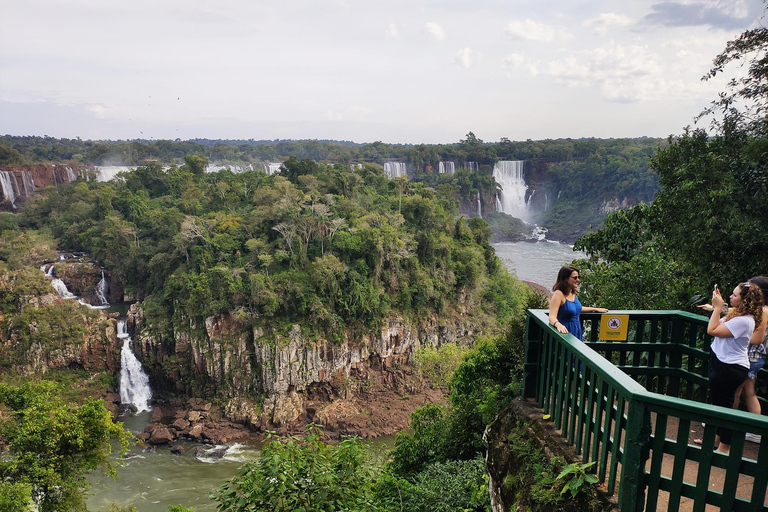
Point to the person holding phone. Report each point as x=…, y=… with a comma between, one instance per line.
x=728, y=361
x=564, y=306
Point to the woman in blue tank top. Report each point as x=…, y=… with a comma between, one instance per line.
x=564, y=306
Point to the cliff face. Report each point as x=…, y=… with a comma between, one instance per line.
x=18, y=182
x=270, y=379
x=47, y=346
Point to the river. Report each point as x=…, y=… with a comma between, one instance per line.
x=154, y=480
x=537, y=262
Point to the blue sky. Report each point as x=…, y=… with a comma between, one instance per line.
x=415, y=71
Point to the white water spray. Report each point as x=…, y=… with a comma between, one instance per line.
x=395, y=170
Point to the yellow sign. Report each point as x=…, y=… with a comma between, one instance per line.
x=614, y=327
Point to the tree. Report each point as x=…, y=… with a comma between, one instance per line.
x=301, y=474
x=53, y=446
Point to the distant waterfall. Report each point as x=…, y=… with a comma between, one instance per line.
x=472, y=166
x=9, y=186
x=272, y=167
x=447, y=167
x=58, y=284
x=101, y=289
x=479, y=206
x=134, y=383
x=28, y=182
x=395, y=170
x=511, y=198
x=110, y=172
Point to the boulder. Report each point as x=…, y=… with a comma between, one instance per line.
x=161, y=435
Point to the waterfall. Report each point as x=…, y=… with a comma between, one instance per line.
x=447, y=167
x=472, y=166
x=71, y=176
x=511, y=197
x=395, y=170
x=479, y=206
x=101, y=289
x=272, y=167
x=28, y=182
x=109, y=172
x=134, y=382
x=9, y=186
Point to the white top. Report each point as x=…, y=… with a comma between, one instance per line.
x=733, y=350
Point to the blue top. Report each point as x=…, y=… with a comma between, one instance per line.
x=568, y=315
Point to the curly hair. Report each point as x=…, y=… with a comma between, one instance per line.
x=751, y=303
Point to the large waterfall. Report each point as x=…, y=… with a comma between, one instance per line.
x=511, y=198
x=134, y=383
x=395, y=170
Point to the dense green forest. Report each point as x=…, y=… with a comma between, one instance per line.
x=572, y=183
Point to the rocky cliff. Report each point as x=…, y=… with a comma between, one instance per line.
x=271, y=379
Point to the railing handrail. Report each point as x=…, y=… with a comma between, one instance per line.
x=634, y=390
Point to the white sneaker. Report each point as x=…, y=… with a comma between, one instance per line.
x=749, y=436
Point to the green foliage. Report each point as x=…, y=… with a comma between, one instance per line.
x=574, y=478
x=426, y=444
x=301, y=474
x=180, y=508
x=53, y=445
x=456, y=485
x=15, y=496
x=438, y=363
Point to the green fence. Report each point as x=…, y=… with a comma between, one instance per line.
x=631, y=407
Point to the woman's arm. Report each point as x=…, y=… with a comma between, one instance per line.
x=593, y=310
x=557, y=300
x=759, y=334
x=715, y=327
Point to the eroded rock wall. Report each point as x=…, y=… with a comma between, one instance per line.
x=268, y=378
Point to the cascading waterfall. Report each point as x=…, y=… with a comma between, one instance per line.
x=472, y=166
x=9, y=186
x=28, y=182
x=395, y=169
x=272, y=167
x=101, y=290
x=71, y=176
x=447, y=167
x=511, y=198
x=134, y=382
x=109, y=172
x=479, y=206
x=58, y=284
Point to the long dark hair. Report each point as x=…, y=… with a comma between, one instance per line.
x=751, y=303
x=563, y=282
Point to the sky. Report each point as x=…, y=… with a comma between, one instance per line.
x=396, y=71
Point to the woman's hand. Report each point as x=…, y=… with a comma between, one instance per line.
x=561, y=328
x=706, y=307
x=717, y=299
x=601, y=310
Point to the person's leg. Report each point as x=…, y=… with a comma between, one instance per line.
x=729, y=377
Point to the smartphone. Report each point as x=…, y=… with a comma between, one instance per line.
x=715, y=289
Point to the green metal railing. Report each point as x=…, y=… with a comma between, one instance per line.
x=630, y=405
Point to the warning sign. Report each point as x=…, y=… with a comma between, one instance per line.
x=614, y=327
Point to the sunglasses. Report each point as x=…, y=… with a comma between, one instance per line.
x=576, y=277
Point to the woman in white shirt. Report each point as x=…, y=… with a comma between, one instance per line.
x=728, y=361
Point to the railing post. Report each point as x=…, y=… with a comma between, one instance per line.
x=636, y=450
x=534, y=337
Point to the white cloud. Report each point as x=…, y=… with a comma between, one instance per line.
x=606, y=20
x=530, y=30
x=392, y=31
x=467, y=57
x=436, y=30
